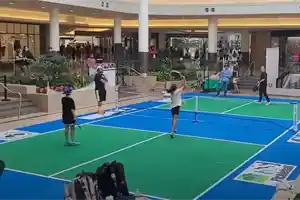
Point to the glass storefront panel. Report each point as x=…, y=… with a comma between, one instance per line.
x=13, y=38
x=31, y=44
x=17, y=28
x=2, y=27
x=10, y=28
x=37, y=45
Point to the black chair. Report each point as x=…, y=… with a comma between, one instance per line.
x=2, y=166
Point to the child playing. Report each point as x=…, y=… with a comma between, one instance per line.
x=235, y=81
x=175, y=103
x=68, y=116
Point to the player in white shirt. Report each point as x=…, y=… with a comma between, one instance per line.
x=176, y=103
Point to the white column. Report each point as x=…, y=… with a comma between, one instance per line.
x=54, y=30
x=117, y=31
x=143, y=26
x=245, y=39
x=162, y=41
x=212, y=35
x=143, y=36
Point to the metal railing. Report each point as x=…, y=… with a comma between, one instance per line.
x=4, y=85
x=249, y=68
x=135, y=71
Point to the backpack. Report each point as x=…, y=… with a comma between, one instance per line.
x=112, y=181
x=83, y=187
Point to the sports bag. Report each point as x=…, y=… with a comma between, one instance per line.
x=112, y=181
x=83, y=187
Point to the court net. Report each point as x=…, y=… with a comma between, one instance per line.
x=156, y=106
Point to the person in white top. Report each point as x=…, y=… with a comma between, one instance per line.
x=176, y=103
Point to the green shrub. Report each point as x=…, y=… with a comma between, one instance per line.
x=55, y=70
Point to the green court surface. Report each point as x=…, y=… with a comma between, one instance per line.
x=239, y=107
x=181, y=169
x=152, y=163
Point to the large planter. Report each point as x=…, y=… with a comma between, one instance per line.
x=142, y=84
x=51, y=102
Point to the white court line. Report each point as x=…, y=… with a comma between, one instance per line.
x=238, y=115
x=235, y=108
x=102, y=119
x=280, y=101
x=68, y=181
x=167, y=118
x=254, y=155
x=181, y=135
x=39, y=175
x=107, y=155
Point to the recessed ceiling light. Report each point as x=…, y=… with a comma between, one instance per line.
x=11, y=3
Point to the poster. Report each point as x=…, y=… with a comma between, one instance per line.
x=295, y=138
x=266, y=173
x=11, y=135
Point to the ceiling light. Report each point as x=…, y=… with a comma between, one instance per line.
x=71, y=11
x=11, y=3
x=43, y=7
x=94, y=13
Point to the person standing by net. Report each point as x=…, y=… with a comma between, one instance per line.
x=225, y=76
x=262, y=83
x=176, y=103
x=100, y=90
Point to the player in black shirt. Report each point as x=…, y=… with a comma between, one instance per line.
x=100, y=90
x=68, y=116
x=263, y=85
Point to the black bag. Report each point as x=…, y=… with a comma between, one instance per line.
x=112, y=181
x=2, y=167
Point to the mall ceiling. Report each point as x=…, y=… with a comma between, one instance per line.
x=205, y=2
x=34, y=5
x=38, y=12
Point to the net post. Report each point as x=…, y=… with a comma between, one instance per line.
x=196, y=111
x=117, y=98
x=295, y=116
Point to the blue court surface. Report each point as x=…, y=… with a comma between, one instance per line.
x=224, y=148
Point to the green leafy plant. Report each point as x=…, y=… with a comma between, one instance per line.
x=53, y=69
x=162, y=70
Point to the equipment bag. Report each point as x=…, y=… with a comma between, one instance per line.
x=111, y=180
x=84, y=187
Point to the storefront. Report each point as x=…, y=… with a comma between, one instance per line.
x=15, y=36
x=288, y=42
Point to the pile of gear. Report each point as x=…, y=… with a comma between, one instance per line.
x=108, y=182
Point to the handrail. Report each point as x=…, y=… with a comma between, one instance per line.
x=281, y=78
x=134, y=70
x=20, y=97
x=248, y=68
